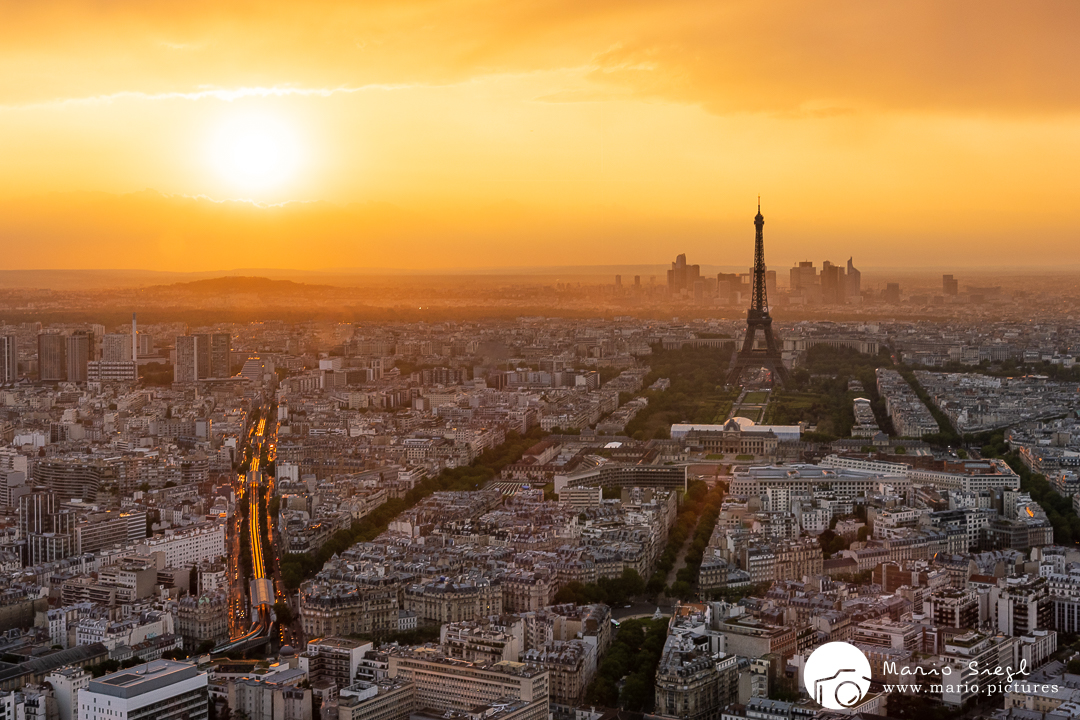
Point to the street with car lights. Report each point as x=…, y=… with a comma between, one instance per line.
x=252, y=610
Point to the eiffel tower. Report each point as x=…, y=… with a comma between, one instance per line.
x=758, y=319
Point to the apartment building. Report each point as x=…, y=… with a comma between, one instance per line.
x=159, y=690
x=444, y=683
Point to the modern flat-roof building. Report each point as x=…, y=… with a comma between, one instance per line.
x=185, y=369
x=444, y=683
x=333, y=658
x=116, y=347
x=52, y=357
x=187, y=546
x=582, y=497
x=967, y=475
x=625, y=475
x=99, y=530
x=9, y=359
x=265, y=699
x=203, y=356
x=808, y=478
x=71, y=477
x=80, y=351
x=505, y=709
x=750, y=637
x=112, y=371
x=385, y=700
x=162, y=690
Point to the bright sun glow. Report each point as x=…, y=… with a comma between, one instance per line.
x=255, y=152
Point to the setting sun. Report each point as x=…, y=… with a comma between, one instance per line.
x=255, y=153
x=485, y=132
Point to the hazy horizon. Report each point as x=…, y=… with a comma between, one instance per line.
x=67, y=231
x=130, y=278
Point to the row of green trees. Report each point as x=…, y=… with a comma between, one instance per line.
x=831, y=543
x=609, y=591
x=1059, y=510
x=697, y=517
x=633, y=655
x=948, y=434
x=297, y=567
x=696, y=392
x=819, y=393
x=686, y=579
x=685, y=522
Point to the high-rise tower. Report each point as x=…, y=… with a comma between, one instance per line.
x=854, y=280
x=52, y=357
x=204, y=356
x=9, y=358
x=758, y=319
x=80, y=351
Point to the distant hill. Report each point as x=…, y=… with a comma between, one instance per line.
x=240, y=285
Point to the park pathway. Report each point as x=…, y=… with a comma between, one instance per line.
x=751, y=404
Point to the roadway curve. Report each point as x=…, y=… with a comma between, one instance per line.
x=262, y=621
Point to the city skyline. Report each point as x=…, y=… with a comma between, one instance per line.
x=145, y=136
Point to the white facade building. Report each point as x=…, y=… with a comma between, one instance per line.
x=12, y=706
x=188, y=546
x=987, y=474
x=66, y=683
x=160, y=690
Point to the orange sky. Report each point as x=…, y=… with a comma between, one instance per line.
x=476, y=133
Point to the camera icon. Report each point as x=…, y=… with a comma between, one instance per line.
x=837, y=676
x=844, y=688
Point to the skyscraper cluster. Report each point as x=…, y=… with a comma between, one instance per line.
x=836, y=285
x=81, y=356
x=682, y=276
x=65, y=357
